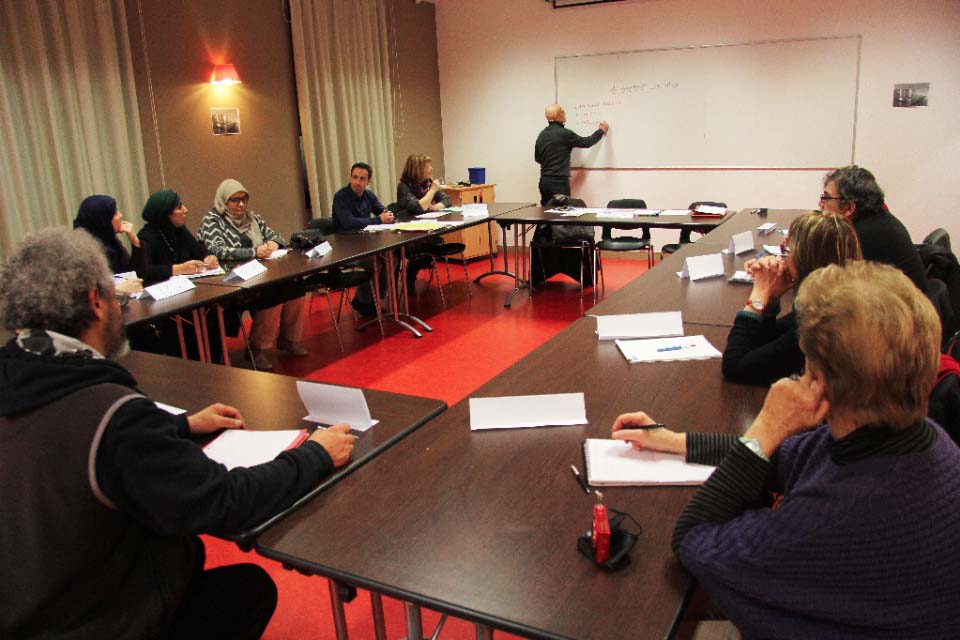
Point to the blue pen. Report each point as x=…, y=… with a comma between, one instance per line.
x=662, y=349
x=762, y=253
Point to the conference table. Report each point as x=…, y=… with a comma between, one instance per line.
x=269, y=401
x=527, y=218
x=483, y=524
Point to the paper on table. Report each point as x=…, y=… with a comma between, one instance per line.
x=510, y=412
x=699, y=267
x=380, y=227
x=474, y=209
x=171, y=287
x=773, y=249
x=432, y=214
x=640, y=325
x=740, y=243
x=277, y=253
x=741, y=276
x=569, y=214
x=246, y=270
x=169, y=408
x=216, y=271
x=675, y=212
x=426, y=225
x=711, y=210
x=241, y=448
x=668, y=349
x=126, y=275
x=624, y=214
x=614, y=462
x=330, y=404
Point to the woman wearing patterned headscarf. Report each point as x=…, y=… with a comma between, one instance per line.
x=98, y=215
x=232, y=231
x=170, y=247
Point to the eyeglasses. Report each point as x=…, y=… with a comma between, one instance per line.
x=239, y=200
x=826, y=196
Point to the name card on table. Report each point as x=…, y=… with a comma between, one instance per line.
x=246, y=271
x=215, y=271
x=330, y=404
x=766, y=228
x=514, y=412
x=126, y=275
x=740, y=243
x=700, y=267
x=773, y=249
x=478, y=210
x=277, y=253
x=168, y=288
x=320, y=250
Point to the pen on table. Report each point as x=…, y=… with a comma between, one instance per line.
x=583, y=483
x=762, y=253
x=675, y=348
x=647, y=427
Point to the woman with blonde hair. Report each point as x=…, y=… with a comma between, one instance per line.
x=762, y=347
x=418, y=192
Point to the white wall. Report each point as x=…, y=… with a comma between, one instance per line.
x=497, y=73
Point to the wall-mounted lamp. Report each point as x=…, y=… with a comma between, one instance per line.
x=225, y=74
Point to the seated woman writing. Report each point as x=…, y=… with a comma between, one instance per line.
x=419, y=193
x=761, y=347
x=834, y=516
x=98, y=215
x=170, y=247
x=231, y=231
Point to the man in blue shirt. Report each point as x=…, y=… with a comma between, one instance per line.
x=355, y=206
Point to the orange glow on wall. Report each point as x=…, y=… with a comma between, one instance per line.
x=225, y=74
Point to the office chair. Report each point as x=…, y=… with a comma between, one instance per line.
x=621, y=243
x=564, y=237
x=685, y=234
x=337, y=280
x=939, y=237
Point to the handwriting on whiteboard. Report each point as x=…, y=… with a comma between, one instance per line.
x=620, y=89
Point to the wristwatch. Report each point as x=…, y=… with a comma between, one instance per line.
x=756, y=304
x=754, y=445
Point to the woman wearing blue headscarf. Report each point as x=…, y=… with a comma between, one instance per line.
x=98, y=215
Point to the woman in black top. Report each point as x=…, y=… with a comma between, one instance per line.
x=761, y=347
x=170, y=247
x=418, y=192
x=98, y=215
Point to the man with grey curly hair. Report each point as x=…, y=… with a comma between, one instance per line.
x=102, y=493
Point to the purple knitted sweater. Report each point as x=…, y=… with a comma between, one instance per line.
x=868, y=548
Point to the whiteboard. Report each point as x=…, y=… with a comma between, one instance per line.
x=780, y=104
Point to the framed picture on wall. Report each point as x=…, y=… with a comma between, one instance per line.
x=912, y=94
x=226, y=121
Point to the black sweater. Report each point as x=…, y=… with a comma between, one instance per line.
x=762, y=348
x=165, y=247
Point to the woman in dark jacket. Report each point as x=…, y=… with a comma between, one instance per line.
x=171, y=249
x=98, y=215
x=761, y=347
x=418, y=192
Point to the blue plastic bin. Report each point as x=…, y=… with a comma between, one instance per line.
x=478, y=175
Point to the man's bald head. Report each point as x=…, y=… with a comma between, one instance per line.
x=555, y=113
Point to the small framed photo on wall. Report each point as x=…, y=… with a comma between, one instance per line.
x=911, y=94
x=226, y=121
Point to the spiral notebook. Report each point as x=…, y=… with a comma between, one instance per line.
x=615, y=462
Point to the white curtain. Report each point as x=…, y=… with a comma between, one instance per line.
x=340, y=52
x=69, y=125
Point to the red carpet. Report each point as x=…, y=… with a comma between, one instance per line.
x=473, y=340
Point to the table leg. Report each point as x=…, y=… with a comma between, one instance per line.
x=414, y=623
x=202, y=353
x=183, y=343
x=483, y=632
x=223, y=336
x=336, y=605
x=492, y=271
x=395, y=315
x=379, y=624
x=222, y=333
x=521, y=263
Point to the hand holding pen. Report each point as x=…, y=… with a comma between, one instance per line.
x=643, y=433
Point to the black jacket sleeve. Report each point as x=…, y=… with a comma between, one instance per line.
x=146, y=467
x=762, y=349
x=157, y=262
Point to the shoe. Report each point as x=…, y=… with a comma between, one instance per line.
x=260, y=361
x=293, y=348
x=364, y=308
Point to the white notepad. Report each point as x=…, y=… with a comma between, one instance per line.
x=668, y=349
x=615, y=462
x=241, y=448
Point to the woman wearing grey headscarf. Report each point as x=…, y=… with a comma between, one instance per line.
x=232, y=231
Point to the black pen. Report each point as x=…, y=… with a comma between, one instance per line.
x=645, y=427
x=583, y=484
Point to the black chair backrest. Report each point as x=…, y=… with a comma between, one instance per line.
x=326, y=226
x=393, y=207
x=939, y=237
x=627, y=203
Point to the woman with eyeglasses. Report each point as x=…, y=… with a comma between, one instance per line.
x=98, y=215
x=233, y=231
x=762, y=347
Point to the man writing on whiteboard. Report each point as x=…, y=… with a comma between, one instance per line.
x=552, y=151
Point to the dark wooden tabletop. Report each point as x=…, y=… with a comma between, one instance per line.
x=143, y=310
x=270, y=401
x=536, y=215
x=483, y=525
